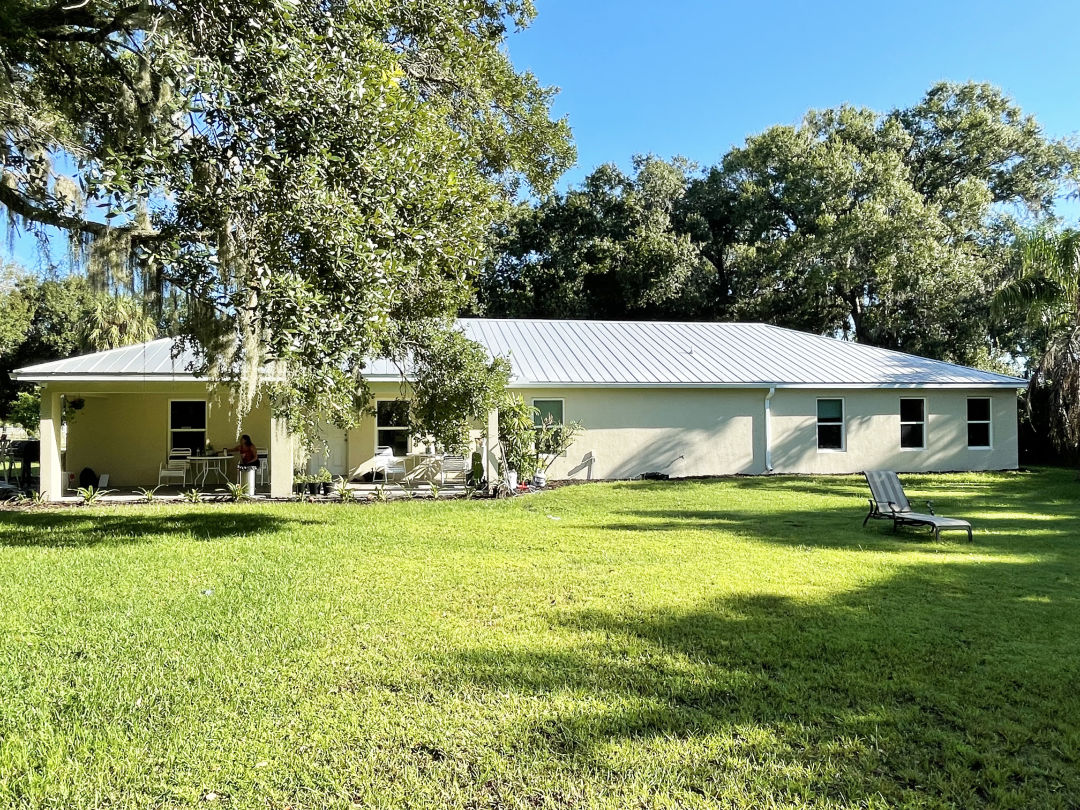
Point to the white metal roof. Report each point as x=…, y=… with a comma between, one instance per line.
x=568, y=353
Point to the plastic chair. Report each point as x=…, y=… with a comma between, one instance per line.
x=454, y=465
x=387, y=463
x=174, y=469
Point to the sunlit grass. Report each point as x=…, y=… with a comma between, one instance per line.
x=737, y=642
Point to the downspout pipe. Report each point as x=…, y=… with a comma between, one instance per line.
x=768, y=429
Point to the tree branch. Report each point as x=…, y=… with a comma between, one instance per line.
x=19, y=204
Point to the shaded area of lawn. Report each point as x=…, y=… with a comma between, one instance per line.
x=73, y=527
x=733, y=642
x=948, y=681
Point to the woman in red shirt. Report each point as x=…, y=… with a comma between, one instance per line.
x=249, y=454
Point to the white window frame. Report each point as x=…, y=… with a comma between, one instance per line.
x=925, y=425
x=989, y=422
x=378, y=427
x=560, y=400
x=843, y=425
x=205, y=429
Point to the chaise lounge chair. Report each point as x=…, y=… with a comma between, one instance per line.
x=890, y=503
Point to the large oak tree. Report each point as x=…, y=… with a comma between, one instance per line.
x=315, y=177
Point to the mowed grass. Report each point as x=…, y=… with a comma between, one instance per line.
x=738, y=642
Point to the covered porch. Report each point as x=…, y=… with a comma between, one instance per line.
x=137, y=415
x=174, y=435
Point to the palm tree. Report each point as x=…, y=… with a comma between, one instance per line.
x=1046, y=293
x=118, y=321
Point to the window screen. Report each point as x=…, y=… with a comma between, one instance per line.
x=912, y=423
x=392, y=425
x=830, y=424
x=548, y=408
x=187, y=425
x=978, y=414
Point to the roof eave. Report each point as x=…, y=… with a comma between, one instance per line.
x=763, y=384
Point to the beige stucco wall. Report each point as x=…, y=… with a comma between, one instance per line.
x=872, y=420
x=125, y=433
x=687, y=432
x=679, y=432
x=123, y=430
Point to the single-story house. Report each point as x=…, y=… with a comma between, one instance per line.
x=682, y=399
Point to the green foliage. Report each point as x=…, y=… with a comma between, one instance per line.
x=606, y=250
x=454, y=386
x=379, y=495
x=887, y=228
x=148, y=494
x=192, y=496
x=32, y=498
x=344, y=491
x=237, y=492
x=26, y=411
x=1044, y=293
x=530, y=448
x=90, y=495
x=517, y=433
x=54, y=318
x=315, y=180
x=552, y=440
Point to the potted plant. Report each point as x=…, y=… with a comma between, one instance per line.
x=551, y=441
x=517, y=435
x=324, y=479
x=299, y=482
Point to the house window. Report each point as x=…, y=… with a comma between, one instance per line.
x=830, y=424
x=912, y=423
x=187, y=425
x=547, y=408
x=978, y=419
x=392, y=425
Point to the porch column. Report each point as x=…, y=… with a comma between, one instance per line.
x=491, y=448
x=281, y=461
x=51, y=482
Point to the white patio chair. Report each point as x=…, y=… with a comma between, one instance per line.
x=264, y=468
x=387, y=463
x=175, y=469
x=179, y=453
x=454, y=466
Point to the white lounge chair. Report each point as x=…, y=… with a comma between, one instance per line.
x=890, y=503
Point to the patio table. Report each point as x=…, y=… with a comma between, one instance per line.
x=202, y=466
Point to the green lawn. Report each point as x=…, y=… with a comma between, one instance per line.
x=739, y=642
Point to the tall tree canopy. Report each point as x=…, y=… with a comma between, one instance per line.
x=48, y=319
x=314, y=176
x=606, y=250
x=891, y=228
x=1044, y=291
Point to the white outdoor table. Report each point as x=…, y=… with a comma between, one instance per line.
x=202, y=466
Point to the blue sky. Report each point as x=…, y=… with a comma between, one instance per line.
x=694, y=77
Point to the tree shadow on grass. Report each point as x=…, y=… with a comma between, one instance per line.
x=79, y=529
x=951, y=681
